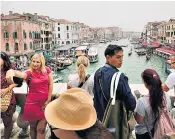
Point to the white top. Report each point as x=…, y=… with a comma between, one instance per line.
x=170, y=82
x=143, y=108
x=74, y=81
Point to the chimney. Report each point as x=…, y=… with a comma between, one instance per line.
x=35, y=16
x=2, y=15
x=10, y=12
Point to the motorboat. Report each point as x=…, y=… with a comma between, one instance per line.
x=93, y=54
x=81, y=50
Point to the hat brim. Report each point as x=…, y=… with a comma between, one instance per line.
x=52, y=117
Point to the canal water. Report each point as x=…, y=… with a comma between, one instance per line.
x=132, y=66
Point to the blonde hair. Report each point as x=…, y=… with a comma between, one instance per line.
x=82, y=64
x=42, y=59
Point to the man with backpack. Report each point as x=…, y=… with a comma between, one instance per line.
x=102, y=82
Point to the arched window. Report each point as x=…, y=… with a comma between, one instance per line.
x=15, y=35
x=25, y=46
x=6, y=34
x=7, y=47
x=33, y=35
x=16, y=47
x=30, y=45
x=67, y=27
x=24, y=34
x=30, y=35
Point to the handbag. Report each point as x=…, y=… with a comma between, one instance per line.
x=5, y=100
x=18, y=81
x=164, y=127
x=115, y=116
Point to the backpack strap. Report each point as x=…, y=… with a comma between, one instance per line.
x=81, y=84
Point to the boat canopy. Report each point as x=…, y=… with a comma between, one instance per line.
x=81, y=48
x=66, y=47
x=92, y=51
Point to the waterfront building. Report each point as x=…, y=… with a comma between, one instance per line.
x=162, y=32
x=66, y=32
x=170, y=31
x=19, y=34
x=46, y=32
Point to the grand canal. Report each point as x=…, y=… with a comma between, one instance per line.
x=132, y=66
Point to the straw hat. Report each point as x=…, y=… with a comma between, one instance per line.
x=73, y=110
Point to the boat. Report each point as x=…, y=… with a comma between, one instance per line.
x=130, y=53
x=102, y=41
x=148, y=57
x=66, y=60
x=56, y=78
x=141, y=53
x=93, y=54
x=81, y=50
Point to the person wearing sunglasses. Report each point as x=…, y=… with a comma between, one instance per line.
x=73, y=116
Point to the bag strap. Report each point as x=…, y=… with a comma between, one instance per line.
x=28, y=82
x=81, y=84
x=114, y=85
x=101, y=83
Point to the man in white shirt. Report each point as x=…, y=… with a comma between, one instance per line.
x=170, y=82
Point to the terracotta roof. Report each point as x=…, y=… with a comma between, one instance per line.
x=43, y=17
x=63, y=21
x=9, y=17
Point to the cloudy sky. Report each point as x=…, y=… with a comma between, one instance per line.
x=130, y=16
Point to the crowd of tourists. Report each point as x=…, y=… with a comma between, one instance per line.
x=99, y=106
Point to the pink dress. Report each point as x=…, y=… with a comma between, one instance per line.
x=37, y=95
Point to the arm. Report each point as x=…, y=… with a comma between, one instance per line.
x=170, y=83
x=139, y=119
x=68, y=83
x=6, y=90
x=139, y=112
x=10, y=73
x=68, y=86
x=50, y=87
x=127, y=96
x=165, y=88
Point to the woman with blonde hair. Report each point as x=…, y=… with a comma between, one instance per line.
x=40, y=81
x=81, y=79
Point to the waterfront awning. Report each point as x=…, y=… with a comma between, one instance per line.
x=66, y=47
x=81, y=48
x=166, y=51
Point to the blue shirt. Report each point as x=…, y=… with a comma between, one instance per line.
x=123, y=93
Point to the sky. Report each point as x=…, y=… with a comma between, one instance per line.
x=130, y=16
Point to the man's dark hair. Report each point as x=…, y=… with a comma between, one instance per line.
x=97, y=131
x=112, y=49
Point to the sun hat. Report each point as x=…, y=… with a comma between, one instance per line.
x=73, y=110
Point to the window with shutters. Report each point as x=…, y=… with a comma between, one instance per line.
x=7, y=47
x=6, y=34
x=30, y=45
x=25, y=46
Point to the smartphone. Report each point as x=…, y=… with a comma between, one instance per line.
x=18, y=81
